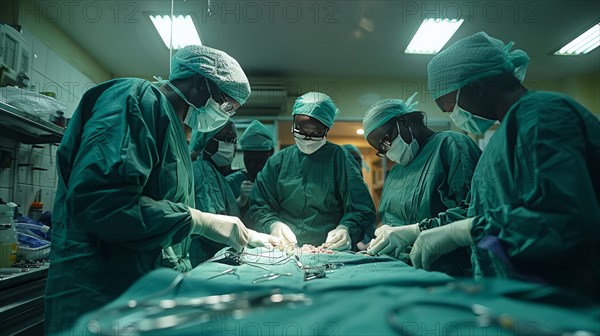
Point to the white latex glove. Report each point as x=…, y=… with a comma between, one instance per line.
x=168, y=253
x=436, y=242
x=338, y=239
x=226, y=230
x=245, y=191
x=258, y=239
x=284, y=233
x=393, y=240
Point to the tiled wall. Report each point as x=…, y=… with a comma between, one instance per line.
x=51, y=73
x=7, y=179
x=33, y=168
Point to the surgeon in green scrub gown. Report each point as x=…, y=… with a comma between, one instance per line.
x=360, y=162
x=432, y=173
x=258, y=145
x=125, y=191
x=534, y=210
x=312, y=193
x=212, y=192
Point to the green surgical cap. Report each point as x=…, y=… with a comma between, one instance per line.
x=382, y=111
x=472, y=58
x=215, y=65
x=257, y=138
x=317, y=105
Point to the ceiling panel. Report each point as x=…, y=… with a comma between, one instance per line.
x=321, y=38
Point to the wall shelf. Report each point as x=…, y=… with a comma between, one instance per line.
x=27, y=128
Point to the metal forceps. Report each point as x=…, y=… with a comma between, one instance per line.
x=270, y=276
x=228, y=271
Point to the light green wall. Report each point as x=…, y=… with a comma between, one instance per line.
x=347, y=92
x=584, y=89
x=60, y=43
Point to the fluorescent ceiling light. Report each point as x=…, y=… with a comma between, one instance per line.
x=360, y=131
x=184, y=31
x=583, y=44
x=432, y=35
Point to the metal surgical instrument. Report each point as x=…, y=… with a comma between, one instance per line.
x=270, y=276
x=228, y=271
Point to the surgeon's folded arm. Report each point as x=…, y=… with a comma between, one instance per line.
x=138, y=222
x=559, y=211
x=443, y=218
x=106, y=200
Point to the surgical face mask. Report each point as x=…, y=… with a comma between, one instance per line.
x=309, y=146
x=400, y=151
x=204, y=119
x=208, y=118
x=224, y=155
x=468, y=121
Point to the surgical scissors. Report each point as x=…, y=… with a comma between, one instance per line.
x=270, y=276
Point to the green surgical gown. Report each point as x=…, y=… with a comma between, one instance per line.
x=213, y=195
x=235, y=180
x=536, y=189
x=312, y=194
x=124, y=187
x=438, y=178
